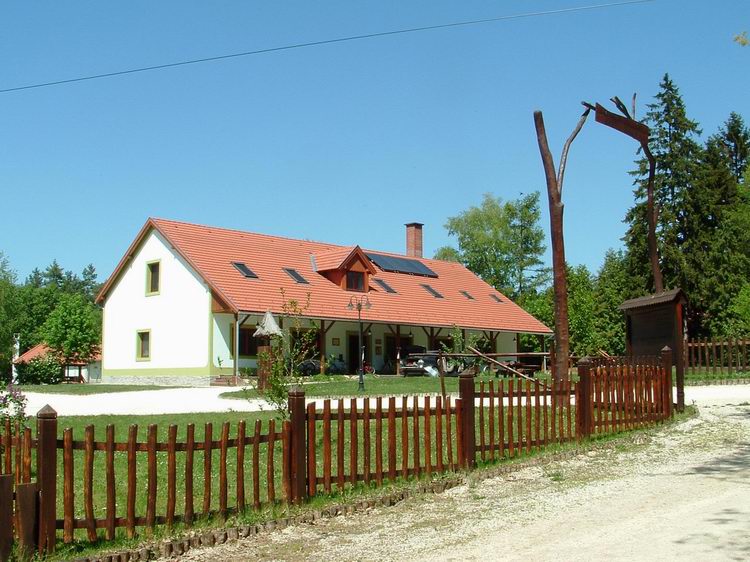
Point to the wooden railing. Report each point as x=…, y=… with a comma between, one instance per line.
x=325, y=447
x=717, y=357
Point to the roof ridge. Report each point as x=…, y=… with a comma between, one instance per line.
x=261, y=234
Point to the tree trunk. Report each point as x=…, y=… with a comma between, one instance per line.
x=560, y=278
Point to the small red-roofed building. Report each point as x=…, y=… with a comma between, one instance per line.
x=73, y=371
x=185, y=296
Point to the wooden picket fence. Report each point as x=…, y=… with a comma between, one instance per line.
x=717, y=357
x=324, y=447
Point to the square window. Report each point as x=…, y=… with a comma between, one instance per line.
x=153, y=271
x=355, y=281
x=143, y=351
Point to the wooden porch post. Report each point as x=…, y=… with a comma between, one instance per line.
x=322, y=336
x=398, y=349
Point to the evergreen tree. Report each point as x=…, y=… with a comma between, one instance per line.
x=613, y=286
x=736, y=139
x=677, y=152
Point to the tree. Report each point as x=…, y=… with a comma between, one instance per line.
x=447, y=253
x=676, y=152
x=554, y=179
x=582, y=303
x=611, y=288
x=73, y=330
x=735, y=138
x=736, y=322
x=501, y=242
x=8, y=313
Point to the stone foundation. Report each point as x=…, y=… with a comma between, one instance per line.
x=158, y=380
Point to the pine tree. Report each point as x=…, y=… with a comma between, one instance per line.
x=677, y=152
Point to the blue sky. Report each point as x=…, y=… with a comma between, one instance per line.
x=342, y=143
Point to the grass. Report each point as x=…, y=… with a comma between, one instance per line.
x=86, y=389
x=375, y=385
x=709, y=375
x=122, y=423
x=269, y=512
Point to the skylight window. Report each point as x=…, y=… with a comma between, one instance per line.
x=467, y=295
x=244, y=270
x=385, y=286
x=494, y=297
x=294, y=274
x=430, y=290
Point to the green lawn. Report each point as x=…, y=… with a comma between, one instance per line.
x=708, y=375
x=375, y=385
x=93, y=388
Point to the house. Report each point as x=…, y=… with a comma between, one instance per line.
x=74, y=371
x=185, y=296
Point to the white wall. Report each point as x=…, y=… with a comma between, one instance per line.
x=178, y=317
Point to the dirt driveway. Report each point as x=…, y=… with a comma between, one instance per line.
x=678, y=494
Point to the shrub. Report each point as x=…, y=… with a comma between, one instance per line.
x=41, y=370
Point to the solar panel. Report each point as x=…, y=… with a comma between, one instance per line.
x=294, y=274
x=432, y=291
x=401, y=265
x=495, y=297
x=386, y=287
x=467, y=295
x=244, y=270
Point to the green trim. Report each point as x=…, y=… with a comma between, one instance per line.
x=149, y=292
x=187, y=371
x=138, y=348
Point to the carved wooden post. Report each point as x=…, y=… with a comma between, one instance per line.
x=466, y=393
x=559, y=273
x=584, y=412
x=297, y=464
x=46, y=471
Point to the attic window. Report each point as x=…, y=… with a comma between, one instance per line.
x=294, y=274
x=385, y=286
x=495, y=297
x=355, y=281
x=430, y=290
x=467, y=295
x=244, y=270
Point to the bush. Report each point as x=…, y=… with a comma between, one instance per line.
x=41, y=370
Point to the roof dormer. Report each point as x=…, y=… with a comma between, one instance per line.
x=349, y=268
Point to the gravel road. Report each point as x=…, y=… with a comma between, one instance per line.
x=680, y=493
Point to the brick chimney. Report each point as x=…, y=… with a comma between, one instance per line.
x=414, y=239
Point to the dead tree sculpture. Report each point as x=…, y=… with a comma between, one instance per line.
x=560, y=281
x=627, y=124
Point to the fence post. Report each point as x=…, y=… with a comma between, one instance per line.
x=46, y=473
x=6, y=516
x=583, y=409
x=297, y=449
x=666, y=363
x=27, y=519
x=466, y=394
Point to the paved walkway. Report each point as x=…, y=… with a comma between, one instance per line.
x=207, y=399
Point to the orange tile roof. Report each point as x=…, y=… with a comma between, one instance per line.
x=41, y=349
x=211, y=250
x=332, y=259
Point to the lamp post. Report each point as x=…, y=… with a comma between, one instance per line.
x=358, y=303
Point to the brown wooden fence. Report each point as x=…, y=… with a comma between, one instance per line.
x=323, y=448
x=716, y=357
